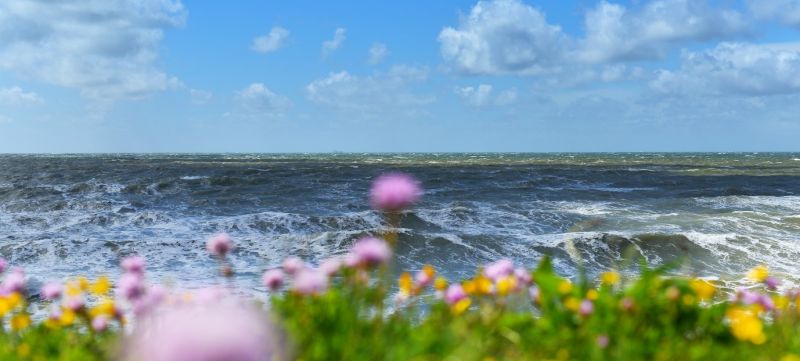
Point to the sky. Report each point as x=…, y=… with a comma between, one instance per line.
x=399, y=76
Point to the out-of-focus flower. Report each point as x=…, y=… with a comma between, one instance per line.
x=626, y=304
x=592, y=294
x=534, y=293
x=586, y=308
x=702, y=288
x=74, y=303
x=219, y=245
x=14, y=281
x=772, y=283
x=273, y=279
x=371, y=251
x=564, y=287
x=505, y=285
x=330, y=266
x=3, y=265
x=523, y=276
x=20, y=321
x=758, y=273
x=310, y=282
x=394, y=192
x=425, y=276
x=133, y=264
x=609, y=278
x=223, y=330
x=440, y=284
x=405, y=284
x=746, y=326
x=602, y=341
x=292, y=265
x=50, y=291
x=130, y=286
x=746, y=296
x=766, y=302
x=101, y=286
x=454, y=294
x=100, y=323
x=499, y=269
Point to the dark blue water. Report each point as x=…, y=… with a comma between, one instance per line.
x=720, y=213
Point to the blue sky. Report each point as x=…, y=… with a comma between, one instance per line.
x=311, y=76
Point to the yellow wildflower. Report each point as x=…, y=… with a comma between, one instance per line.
x=67, y=317
x=592, y=294
x=470, y=287
x=702, y=288
x=440, y=284
x=83, y=283
x=746, y=326
x=20, y=321
x=429, y=271
x=101, y=286
x=14, y=300
x=105, y=307
x=5, y=306
x=483, y=285
x=406, y=284
x=565, y=287
x=609, y=278
x=688, y=299
x=759, y=273
x=572, y=304
x=781, y=302
x=23, y=350
x=790, y=357
x=72, y=288
x=461, y=306
x=506, y=284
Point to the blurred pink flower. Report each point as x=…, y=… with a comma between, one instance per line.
x=219, y=245
x=454, y=294
x=772, y=283
x=330, y=266
x=746, y=296
x=586, y=308
x=371, y=251
x=523, y=276
x=423, y=279
x=766, y=302
x=223, y=330
x=310, y=282
x=100, y=323
x=394, y=192
x=534, y=293
x=133, y=264
x=14, y=281
x=130, y=286
x=602, y=341
x=50, y=291
x=151, y=298
x=499, y=269
x=272, y=279
x=292, y=265
x=74, y=303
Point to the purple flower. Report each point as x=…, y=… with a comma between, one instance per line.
x=130, y=286
x=273, y=279
x=586, y=308
x=51, y=291
x=423, y=279
x=523, y=276
x=219, y=245
x=133, y=264
x=394, y=192
x=14, y=281
x=499, y=269
x=292, y=265
x=310, y=282
x=330, y=266
x=772, y=283
x=602, y=341
x=371, y=251
x=454, y=294
x=746, y=296
x=100, y=323
x=766, y=302
x=74, y=303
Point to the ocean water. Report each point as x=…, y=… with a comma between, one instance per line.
x=715, y=214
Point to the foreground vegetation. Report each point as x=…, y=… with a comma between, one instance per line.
x=351, y=308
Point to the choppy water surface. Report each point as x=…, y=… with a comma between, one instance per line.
x=64, y=215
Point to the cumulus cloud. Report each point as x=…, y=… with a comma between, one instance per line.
x=501, y=37
x=106, y=49
x=377, y=52
x=256, y=99
x=615, y=33
x=16, y=96
x=381, y=93
x=270, y=42
x=735, y=68
x=329, y=46
x=785, y=11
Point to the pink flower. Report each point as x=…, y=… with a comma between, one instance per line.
x=423, y=279
x=371, y=251
x=310, y=282
x=523, y=276
x=586, y=308
x=222, y=330
x=14, y=281
x=273, y=279
x=454, y=294
x=292, y=265
x=772, y=283
x=100, y=323
x=133, y=264
x=746, y=296
x=50, y=291
x=219, y=245
x=151, y=298
x=74, y=303
x=766, y=302
x=330, y=266
x=130, y=286
x=602, y=341
x=534, y=293
x=497, y=270
x=394, y=192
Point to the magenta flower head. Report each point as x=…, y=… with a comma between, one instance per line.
x=292, y=265
x=747, y=297
x=394, y=192
x=310, y=282
x=330, y=266
x=219, y=245
x=772, y=283
x=130, y=286
x=523, y=276
x=100, y=323
x=766, y=302
x=74, y=303
x=50, y=291
x=371, y=251
x=133, y=264
x=223, y=330
x=3, y=265
x=454, y=294
x=497, y=270
x=586, y=308
x=14, y=281
x=273, y=279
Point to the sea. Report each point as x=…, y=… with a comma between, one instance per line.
x=712, y=215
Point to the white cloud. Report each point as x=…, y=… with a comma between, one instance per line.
x=270, y=42
x=200, y=96
x=735, y=68
x=16, y=96
x=379, y=94
x=615, y=33
x=482, y=95
x=785, y=11
x=329, y=46
x=106, y=49
x=257, y=99
x=503, y=37
x=377, y=53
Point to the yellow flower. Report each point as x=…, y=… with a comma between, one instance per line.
x=105, y=307
x=759, y=273
x=565, y=287
x=67, y=317
x=429, y=271
x=23, y=350
x=83, y=283
x=781, y=302
x=609, y=278
x=483, y=285
x=592, y=294
x=461, y=306
x=101, y=286
x=20, y=321
x=5, y=306
x=746, y=326
x=702, y=288
x=790, y=357
x=506, y=285
x=688, y=299
x=406, y=283
x=572, y=304
x=440, y=284
x=72, y=288
x=15, y=300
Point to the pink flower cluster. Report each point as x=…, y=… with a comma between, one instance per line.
x=394, y=192
x=133, y=287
